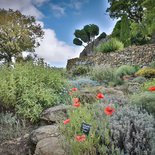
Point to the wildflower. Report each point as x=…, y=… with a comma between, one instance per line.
x=75, y=100
x=152, y=88
x=66, y=121
x=109, y=110
x=74, y=89
x=76, y=104
x=80, y=138
x=100, y=96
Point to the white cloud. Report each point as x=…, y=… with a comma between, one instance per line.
x=55, y=51
x=77, y=4
x=51, y=49
x=25, y=6
x=58, y=10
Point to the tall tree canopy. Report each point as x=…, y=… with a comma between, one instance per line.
x=87, y=35
x=18, y=33
x=132, y=8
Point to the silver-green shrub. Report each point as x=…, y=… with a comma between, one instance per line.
x=105, y=74
x=125, y=70
x=132, y=131
x=146, y=100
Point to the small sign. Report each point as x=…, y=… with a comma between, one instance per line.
x=85, y=128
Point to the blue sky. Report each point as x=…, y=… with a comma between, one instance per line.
x=59, y=19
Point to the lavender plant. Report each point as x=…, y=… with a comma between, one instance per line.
x=132, y=130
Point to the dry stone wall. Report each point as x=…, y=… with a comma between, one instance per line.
x=134, y=55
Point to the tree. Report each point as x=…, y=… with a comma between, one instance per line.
x=132, y=8
x=149, y=12
x=86, y=35
x=125, y=31
x=18, y=33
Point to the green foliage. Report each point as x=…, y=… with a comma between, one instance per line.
x=87, y=35
x=31, y=88
x=139, y=34
x=105, y=74
x=125, y=31
x=72, y=129
x=102, y=35
x=150, y=15
x=148, y=84
x=152, y=64
x=80, y=70
x=76, y=41
x=18, y=33
x=11, y=127
x=125, y=70
x=133, y=9
x=110, y=46
x=139, y=79
x=117, y=29
x=132, y=130
x=146, y=72
x=82, y=82
x=146, y=100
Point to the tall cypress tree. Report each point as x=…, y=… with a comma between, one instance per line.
x=125, y=31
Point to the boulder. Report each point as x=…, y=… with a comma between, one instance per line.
x=55, y=114
x=44, y=132
x=49, y=146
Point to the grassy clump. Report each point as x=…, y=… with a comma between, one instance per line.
x=125, y=70
x=105, y=74
x=110, y=46
x=146, y=100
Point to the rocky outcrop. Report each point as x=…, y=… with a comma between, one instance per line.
x=46, y=140
x=89, y=49
x=54, y=114
x=135, y=55
x=49, y=146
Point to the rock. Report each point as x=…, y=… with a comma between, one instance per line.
x=44, y=132
x=55, y=114
x=49, y=146
x=19, y=146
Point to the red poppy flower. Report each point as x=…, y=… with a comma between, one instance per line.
x=76, y=104
x=74, y=89
x=100, y=96
x=152, y=88
x=66, y=121
x=109, y=110
x=80, y=138
x=75, y=100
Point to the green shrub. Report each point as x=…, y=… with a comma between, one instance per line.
x=146, y=72
x=12, y=127
x=148, y=84
x=139, y=79
x=72, y=129
x=31, y=88
x=132, y=130
x=82, y=82
x=105, y=74
x=80, y=70
x=146, y=100
x=125, y=70
x=110, y=46
x=152, y=64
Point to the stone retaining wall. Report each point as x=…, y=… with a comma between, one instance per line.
x=135, y=55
